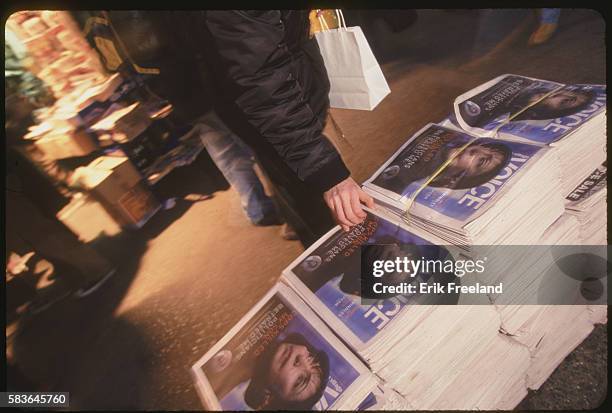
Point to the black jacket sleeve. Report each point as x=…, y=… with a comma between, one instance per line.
x=262, y=81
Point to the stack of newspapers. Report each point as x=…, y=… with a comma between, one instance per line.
x=587, y=202
x=549, y=333
x=422, y=351
x=384, y=398
x=564, y=231
x=569, y=118
x=516, y=175
x=405, y=354
x=469, y=357
x=328, y=277
x=536, y=274
x=457, y=359
x=281, y=356
x=469, y=190
x=530, y=273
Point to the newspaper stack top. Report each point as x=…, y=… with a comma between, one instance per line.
x=469, y=190
x=328, y=277
x=570, y=118
x=281, y=356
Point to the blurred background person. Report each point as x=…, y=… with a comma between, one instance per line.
x=548, y=22
x=44, y=259
x=142, y=44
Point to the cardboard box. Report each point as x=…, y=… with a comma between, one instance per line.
x=108, y=178
x=88, y=219
x=120, y=165
x=117, y=185
x=66, y=143
x=138, y=205
x=148, y=146
x=142, y=151
x=130, y=128
x=125, y=123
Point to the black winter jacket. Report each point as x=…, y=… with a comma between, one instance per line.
x=273, y=74
x=258, y=67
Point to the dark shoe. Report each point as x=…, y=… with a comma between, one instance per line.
x=48, y=296
x=288, y=233
x=198, y=197
x=542, y=34
x=88, y=289
x=169, y=204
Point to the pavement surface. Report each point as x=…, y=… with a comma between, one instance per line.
x=193, y=271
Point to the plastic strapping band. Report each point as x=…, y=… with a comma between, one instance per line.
x=412, y=199
x=533, y=104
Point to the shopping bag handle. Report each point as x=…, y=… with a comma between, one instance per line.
x=322, y=21
x=339, y=16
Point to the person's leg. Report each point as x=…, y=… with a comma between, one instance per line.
x=549, y=21
x=303, y=209
x=307, y=217
x=57, y=244
x=299, y=206
x=550, y=16
x=236, y=162
x=495, y=28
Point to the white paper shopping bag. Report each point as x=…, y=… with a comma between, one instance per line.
x=356, y=80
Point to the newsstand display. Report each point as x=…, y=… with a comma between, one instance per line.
x=113, y=139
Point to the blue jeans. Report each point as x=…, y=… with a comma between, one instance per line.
x=550, y=16
x=235, y=160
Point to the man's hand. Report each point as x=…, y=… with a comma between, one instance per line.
x=345, y=200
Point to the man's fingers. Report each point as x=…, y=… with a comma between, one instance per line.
x=366, y=199
x=345, y=202
x=330, y=203
x=340, y=217
x=357, y=208
x=348, y=208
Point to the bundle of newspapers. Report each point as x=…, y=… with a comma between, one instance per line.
x=328, y=276
x=549, y=272
x=409, y=354
x=467, y=357
x=531, y=273
x=467, y=190
x=550, y=332
x=281, y=356
x=569, y=118
x=520, y=163
x=587, y=202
